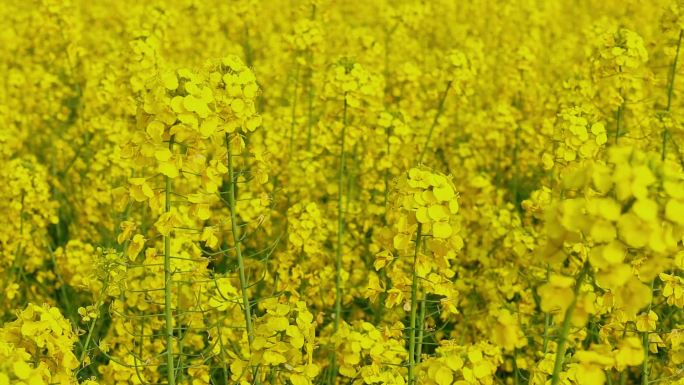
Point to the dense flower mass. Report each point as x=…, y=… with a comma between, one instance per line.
x=341, y=192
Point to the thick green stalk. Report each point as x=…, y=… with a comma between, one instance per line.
x=565, y=328
x=414, y=306
x=168, y=311
x=440, y=110
x=237, y=244
x=670, y=90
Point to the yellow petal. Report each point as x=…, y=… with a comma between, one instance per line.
x=422, y=215
x=443, y=376
x=441, y=230
x=169, y=80
x=437, y=212
x=21, y=369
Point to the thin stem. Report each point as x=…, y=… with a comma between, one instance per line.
x=340, y=235
x=62, y=284
x=179, y=368
x=310, y=97
x=340, y=222
x=84, y=352
x=673, y=71
x=224, y=367
x=168, y=312
x=247, y=47
x=565, y=328
x=516, y=165
x=670, y=90
x=618, y=118
x=383, y=274
x=623, y=373
x=516, y=372
x=547, y=324
x=414, y=305
x=293, y=116
x=238, y=244
x=645, y=367
x=547, y=319
x=440, y=110
x=421, y=328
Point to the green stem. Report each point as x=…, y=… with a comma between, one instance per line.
x=383, y=274
x=516, y=372
x=247, y=47
x=623, y=373
x=340, y=236
x=547, y=318
x=440, y=110
x=168, y=311
x=645, y=366
x=81, y=359
x=340, y=222
x=547, y=324
x=238, y=244
x=565, y=328
x=619, y=112
x=414, y=306
x=516, y=170
x=421, y=327
x=670, y=90
x=179, y=368
x=62, y=284
x=293, y=116
x=618, y=118
x=310, y=97
x=224, y=359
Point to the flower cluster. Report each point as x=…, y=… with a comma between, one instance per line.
x=37, y=348
x=320, y=192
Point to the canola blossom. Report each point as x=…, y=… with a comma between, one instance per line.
x=330, y=192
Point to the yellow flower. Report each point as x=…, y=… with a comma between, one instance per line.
x=139, y=189
x=167, y=222
x=557, y=294
x=135, y=247
x=646, y=322
x=629, y=353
